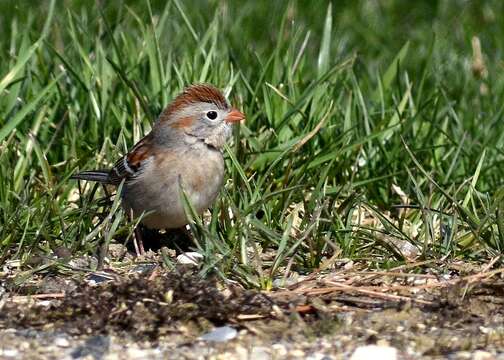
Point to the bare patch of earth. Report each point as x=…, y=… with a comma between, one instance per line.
x=155, y=313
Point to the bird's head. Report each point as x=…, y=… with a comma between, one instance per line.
x=200, y=111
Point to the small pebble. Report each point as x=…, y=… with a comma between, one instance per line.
x=259, y=353
x=9, y=352
x=240, y=353
x=137, y=353
x=61, y=342
x=463, y=355
x=317, y=356
x=279, y=350
x=349, y=265
x=297, y=353
x=189, y=258
x=220, y=334
x=374, y=352
x=482, y=355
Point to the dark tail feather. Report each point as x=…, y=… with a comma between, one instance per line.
x=102, y=176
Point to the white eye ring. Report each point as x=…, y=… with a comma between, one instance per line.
x=212, y=115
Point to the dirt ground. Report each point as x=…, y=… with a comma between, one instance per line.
x=145, y=311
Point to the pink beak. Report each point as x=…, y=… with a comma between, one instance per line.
x=235, y=116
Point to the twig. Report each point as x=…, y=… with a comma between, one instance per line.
x=248, y=317
x=22, y=298
x=338, y=286
x=395, y=274
x=153, y=274
x=491, y=263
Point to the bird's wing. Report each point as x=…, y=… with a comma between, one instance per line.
x=130, y=165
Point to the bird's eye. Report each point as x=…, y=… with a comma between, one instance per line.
x=212, y=115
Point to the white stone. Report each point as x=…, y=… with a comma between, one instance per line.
x=349, y=265
x=189, y=258
x=61, y=342
x=374, y=352
x=482, y=355
x=9, y=352
x=220, y=334
x=279, y=350
x=241, y=353
x=317, y=356
x=136, y=353
x=297, y=353
x=259, y=353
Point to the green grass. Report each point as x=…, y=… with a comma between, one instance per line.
x=344, y=104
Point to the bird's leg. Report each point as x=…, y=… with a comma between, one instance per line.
x=137, y=239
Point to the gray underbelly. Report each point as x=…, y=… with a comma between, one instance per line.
x=159, y=197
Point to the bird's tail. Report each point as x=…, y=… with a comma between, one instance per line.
x=102, y=176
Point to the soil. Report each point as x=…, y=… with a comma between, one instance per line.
x=146, y=311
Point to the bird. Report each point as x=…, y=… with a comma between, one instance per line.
x=182, y=152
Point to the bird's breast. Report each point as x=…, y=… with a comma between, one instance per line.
x=203, y=179
x=199, y=172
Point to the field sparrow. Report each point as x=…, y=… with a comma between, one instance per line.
x=183, y=150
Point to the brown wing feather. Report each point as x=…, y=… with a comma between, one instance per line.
x=130, y=164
